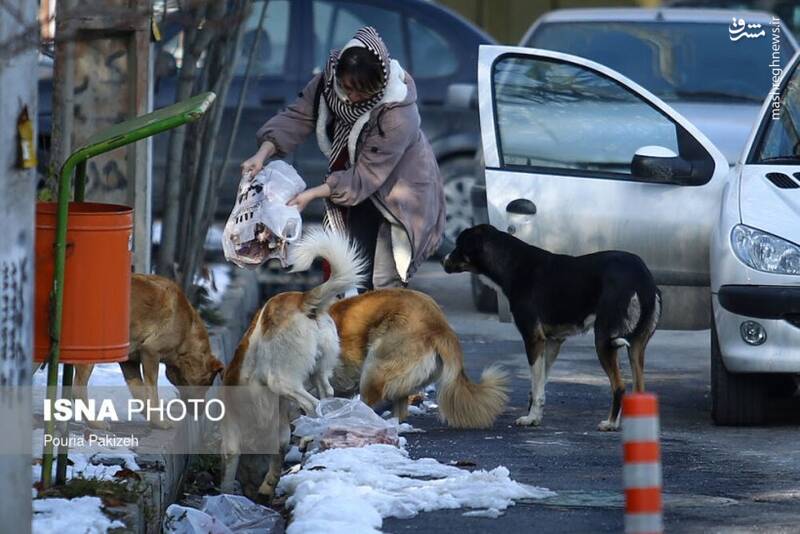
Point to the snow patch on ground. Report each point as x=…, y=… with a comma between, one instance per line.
x=406, y=428
x=104, y=375
x=491, y=513
x=351, y=490
x=82, y=515
x=87, y=462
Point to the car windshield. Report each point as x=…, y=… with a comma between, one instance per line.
x=780, y=143
x=684, y=61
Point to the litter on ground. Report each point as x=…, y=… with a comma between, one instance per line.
x=221, y=514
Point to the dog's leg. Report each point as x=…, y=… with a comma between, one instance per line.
x=133, y=377
x=636, y=357
x=322, y=384
x=400, y=409
x=80, y=391
x=551, y=353
x=231, y=448
x=150, y=361
x=304, y=399
x=267, y=489
x=132, y=371
x=328, y=358
x=535, y=347
x=607, y=354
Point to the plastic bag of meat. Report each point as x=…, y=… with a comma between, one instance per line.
x=346, y=423
x=261, y=224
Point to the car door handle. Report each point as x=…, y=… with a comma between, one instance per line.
x=273, y=100
x=521, y=206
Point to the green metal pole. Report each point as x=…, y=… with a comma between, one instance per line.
x=80, y=181
x=63, y=449
x=56, y=309
x=68, y=370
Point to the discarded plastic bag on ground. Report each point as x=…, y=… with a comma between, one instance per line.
x=261, y=224
x=346, y=423
x=221, y=514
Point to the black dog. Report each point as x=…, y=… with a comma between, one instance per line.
x=554, y=296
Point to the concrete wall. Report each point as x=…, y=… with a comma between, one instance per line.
x=102, y=77
x=18, y=60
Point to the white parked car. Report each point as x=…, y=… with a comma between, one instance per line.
x=580, y=158
x=755, y=263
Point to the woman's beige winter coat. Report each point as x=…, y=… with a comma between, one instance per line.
x=391, y=162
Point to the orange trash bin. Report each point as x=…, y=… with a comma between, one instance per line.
x=97, y=282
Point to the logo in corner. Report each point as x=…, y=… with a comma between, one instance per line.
x=739, y=28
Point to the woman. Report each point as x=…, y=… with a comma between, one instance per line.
x=383, y=182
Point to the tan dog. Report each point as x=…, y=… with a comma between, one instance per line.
x=291, y=341
x=164, y=328
x=394, y=342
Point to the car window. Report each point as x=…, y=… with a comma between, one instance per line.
x=554, y=115
x=273, y=42
x=270, y=57
x=335, y=23
x=676, y=61
x=780, y=143
x=431, y=55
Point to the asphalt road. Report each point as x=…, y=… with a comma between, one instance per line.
x=715, y=479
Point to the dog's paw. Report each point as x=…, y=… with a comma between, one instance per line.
x=528, y=420
x=608, y=426
x=266, y=492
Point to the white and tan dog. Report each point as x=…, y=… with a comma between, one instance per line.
x=292, y=341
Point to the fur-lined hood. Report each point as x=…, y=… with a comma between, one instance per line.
x=400, y=91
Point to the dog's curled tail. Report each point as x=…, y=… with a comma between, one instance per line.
x=346, y=263
x=465, y=404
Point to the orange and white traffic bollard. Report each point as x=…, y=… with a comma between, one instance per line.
x=642, y=470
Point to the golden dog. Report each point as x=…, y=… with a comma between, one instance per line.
x=394, y=342
x=164, y=328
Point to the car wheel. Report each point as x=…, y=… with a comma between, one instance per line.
x=736, y=398
x=459, y=177
x=483, y=296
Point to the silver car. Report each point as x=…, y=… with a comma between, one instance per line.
x=686, y=58
x=580, y=158
x=683, y=56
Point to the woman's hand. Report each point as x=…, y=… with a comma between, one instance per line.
x=301, y=200
x=255, y=163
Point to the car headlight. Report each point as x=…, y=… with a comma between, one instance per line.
x=765, y=252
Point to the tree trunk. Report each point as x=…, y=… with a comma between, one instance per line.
x=221, y=62
x=195, y=42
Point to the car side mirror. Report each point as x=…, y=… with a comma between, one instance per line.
x=462, y=95
x=661, y=165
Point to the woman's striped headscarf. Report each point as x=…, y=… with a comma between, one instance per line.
x=345, y=112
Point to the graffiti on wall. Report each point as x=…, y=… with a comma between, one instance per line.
x=14, y=360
